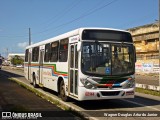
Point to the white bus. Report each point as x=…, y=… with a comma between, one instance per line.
x=84, y=64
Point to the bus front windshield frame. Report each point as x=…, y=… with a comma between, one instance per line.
x=104, y=58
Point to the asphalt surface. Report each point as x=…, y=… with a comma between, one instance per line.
x=146, y=79
x=15, y=98
x=98, y=109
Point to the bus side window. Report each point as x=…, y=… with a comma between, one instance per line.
x=47, y=52
x=35, y=54
x=63, y=50
x=54, y=51
x=26, y=55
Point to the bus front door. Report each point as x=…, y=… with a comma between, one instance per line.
x=73, y=70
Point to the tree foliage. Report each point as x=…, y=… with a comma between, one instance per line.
x=17, y=60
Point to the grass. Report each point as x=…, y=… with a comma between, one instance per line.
x=146, y=91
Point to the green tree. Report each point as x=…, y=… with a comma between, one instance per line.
x=17, y=60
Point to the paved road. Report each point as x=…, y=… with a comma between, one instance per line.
x=96, y=109
x=16, y=98
x=146, y=79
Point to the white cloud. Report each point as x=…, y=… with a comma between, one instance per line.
x=23, y=45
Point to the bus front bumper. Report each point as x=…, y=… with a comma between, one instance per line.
x=93, y=94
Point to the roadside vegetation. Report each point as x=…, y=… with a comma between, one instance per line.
x=17, y=60
x=146, y=91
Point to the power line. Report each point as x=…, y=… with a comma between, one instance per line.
x=59, y=14
x=80, y=17
x=56, y=17
x=64, y=12
x=91, y=11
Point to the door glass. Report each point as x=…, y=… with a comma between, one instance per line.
x=76, y=83
x=76, y=57
x=72, y=57
x=71, y=81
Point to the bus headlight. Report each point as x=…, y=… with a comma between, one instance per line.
x=130, y=84
x=87, y=84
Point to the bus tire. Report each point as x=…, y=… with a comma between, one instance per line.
x=34, y=81
x=62, y=93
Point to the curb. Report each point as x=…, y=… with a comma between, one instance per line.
x=148, y=96
x=78, y=111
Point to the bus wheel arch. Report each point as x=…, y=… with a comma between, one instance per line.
x=61, y=89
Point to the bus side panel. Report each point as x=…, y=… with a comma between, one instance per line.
x=34, y=70
x=26, y=70
x=62, y=70
x=49, y=80
x=51, y=73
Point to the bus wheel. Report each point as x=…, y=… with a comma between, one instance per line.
x=62, y=91
x=34, y=81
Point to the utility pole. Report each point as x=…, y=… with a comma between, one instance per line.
x=29, y=36
x=159, y=42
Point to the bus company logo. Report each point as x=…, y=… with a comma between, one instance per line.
x=6, y=115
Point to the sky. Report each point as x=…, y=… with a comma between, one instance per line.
x=49, y=18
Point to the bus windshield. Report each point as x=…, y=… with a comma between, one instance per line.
x=101, y=58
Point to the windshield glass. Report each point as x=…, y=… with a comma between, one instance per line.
x=107, y=58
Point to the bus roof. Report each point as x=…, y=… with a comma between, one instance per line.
x=70, y=34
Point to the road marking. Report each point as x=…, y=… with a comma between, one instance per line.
x=141, y=105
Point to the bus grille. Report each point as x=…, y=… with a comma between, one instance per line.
x=111, y=93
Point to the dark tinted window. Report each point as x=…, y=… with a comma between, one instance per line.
x=63, y=50
x=26, y=55
x=47, y=52
x=106, y=35
x=0, y=60
x=54, y=51
x=35, y=54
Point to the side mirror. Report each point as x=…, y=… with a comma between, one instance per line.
x=79, y=46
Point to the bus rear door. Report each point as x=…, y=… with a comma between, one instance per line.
x=41, y=57
x=29, y=64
